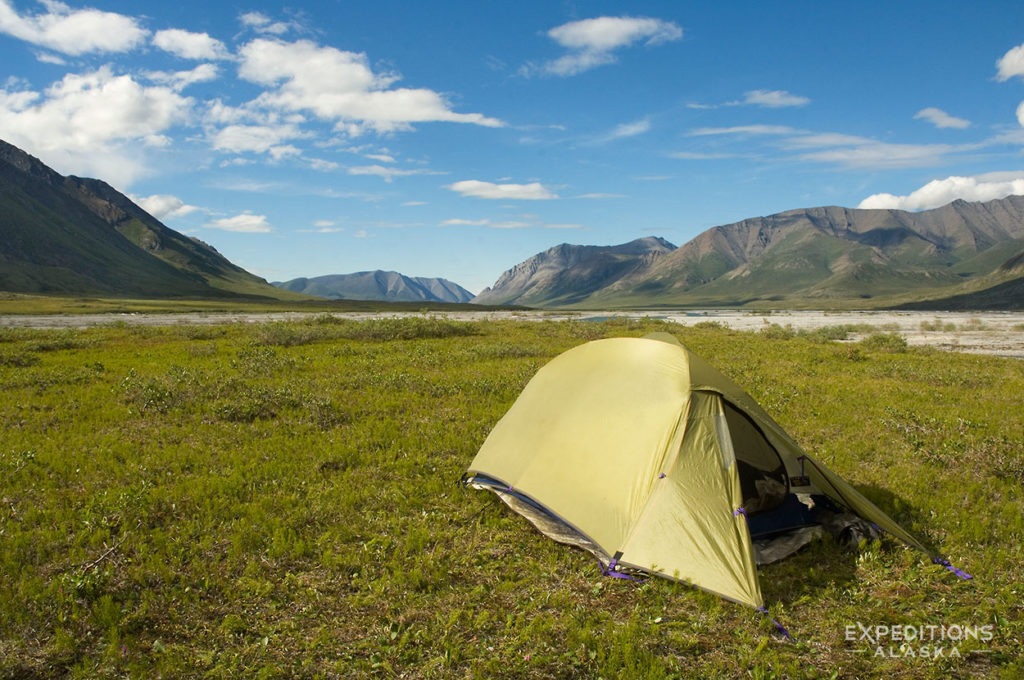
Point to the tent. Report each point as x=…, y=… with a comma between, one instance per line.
x=643, y=454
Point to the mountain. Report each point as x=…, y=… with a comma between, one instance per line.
x=824, y=255
x=568, y=274
x=379, y=285
x=72, y=235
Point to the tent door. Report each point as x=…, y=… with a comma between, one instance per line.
x=763, y=479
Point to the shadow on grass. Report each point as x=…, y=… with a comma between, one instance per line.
x=827, y=564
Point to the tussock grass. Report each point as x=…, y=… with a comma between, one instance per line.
x=279, y=500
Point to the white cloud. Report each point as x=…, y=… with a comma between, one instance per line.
x=382, y=157
x=941, y=119
x=942, y=191
x=261, y=23
x=849, y=151
x=1011, y=64
x=254, y=138
x=163, y=206
x=528, y=192
x=244, y=222
x=744, y=130
x=322, y=165
x=91, y=123
x=340, y=86
x=820, y=140
x=774, y=99
x=409, y=204
x=882, y=155
x=509, y=224
x=179, y=80
x=71, y=31
x=322, y=227
x=592, y=42
x=633, y=129
x=283, y=151
x=322, y=230
x=189, y=45
x=47, y=58
x=457, y=222
x=388, y=173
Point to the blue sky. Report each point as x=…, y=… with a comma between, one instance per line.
x=456, y=139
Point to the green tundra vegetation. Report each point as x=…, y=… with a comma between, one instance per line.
x=280, y=500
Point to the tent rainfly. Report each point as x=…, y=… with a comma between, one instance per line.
x=643, y=454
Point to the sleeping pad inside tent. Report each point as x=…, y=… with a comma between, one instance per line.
x=643, y=454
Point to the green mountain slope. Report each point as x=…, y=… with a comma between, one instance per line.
x=68, y=235
x=816, y=256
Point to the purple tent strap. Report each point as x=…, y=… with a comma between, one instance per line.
x=962, y=574
x=777, y=624
x=610, y=571
x=741, y=511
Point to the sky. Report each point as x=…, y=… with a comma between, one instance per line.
x=456, y=139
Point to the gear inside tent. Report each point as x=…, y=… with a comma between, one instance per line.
x=641, y=453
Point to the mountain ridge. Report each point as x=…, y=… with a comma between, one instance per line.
x=378, y=285
x=824, y=253
x=67, y=234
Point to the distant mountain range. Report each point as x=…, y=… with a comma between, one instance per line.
x=961, y=255
x=77, y=236
x=71, y=235
x=379, y=285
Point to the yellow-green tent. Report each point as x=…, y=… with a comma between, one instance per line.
x=640, y=452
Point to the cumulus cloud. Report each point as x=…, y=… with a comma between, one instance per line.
x=339, y=86
x=163, y=206
x=254, y=138
x=1011, y=64
x=534, y=191
x=189, y=45
x=942, y=191
x=73, y=31
x=593, y=42
x=244, y=222
x=774, y=99
x=941, y=119
x=92, y=123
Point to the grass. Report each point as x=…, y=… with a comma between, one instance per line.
x=279, y=500
x=38, y=304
